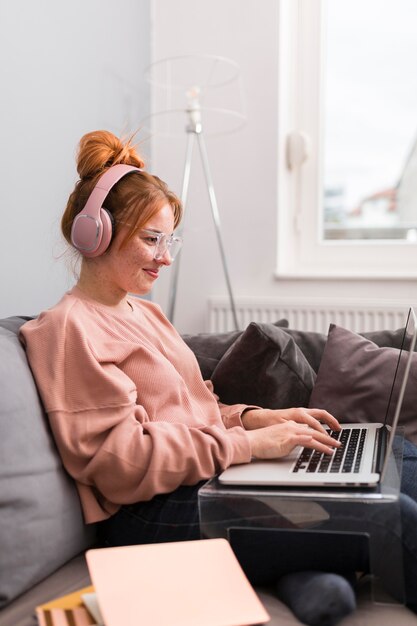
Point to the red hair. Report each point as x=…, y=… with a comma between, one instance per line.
x=134, y=200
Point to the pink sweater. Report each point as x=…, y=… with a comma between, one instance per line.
x=129, y=410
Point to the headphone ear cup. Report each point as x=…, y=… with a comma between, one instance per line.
x=107, y=231
x=93, y=228
x=92, y=237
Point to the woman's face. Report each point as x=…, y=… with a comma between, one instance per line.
x=132, y=268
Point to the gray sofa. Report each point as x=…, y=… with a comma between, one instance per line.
x=42, y=534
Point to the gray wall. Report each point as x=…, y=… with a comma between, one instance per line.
x=66, y=68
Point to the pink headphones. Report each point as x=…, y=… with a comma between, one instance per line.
x=92, y=228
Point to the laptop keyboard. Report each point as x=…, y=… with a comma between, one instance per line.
x=347, y=458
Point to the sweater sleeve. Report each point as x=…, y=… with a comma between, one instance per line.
x=106, y=440
x=129, y=459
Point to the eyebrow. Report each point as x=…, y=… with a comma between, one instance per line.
x=153, y=230
x=157, y=232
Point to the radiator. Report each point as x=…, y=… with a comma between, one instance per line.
x=314, y=315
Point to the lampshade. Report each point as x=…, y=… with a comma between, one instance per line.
x=206, y=86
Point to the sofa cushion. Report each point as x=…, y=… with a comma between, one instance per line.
x=209, y=348
x=41, y=525
x=355, y=378
x=264, y=366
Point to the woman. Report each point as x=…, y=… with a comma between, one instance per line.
x=136, y=426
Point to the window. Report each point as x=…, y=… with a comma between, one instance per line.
x=348, y=138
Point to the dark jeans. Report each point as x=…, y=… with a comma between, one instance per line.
x=174, y=517
x=167, y=517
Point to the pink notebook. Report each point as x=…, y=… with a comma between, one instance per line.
x=186, y=583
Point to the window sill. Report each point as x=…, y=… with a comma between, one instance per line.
x=348, y=276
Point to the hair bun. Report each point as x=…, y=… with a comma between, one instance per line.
x=101, y=149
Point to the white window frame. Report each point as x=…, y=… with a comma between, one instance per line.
x=300, y=251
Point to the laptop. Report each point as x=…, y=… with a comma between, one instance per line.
x=363, y=458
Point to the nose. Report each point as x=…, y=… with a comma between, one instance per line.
x=165, y=258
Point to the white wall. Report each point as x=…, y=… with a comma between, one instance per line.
x=66, y=68
x=243, y=167
x=243, y=164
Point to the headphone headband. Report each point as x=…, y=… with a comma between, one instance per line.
x=92, y=228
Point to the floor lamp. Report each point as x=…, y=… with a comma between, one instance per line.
x=210, y=77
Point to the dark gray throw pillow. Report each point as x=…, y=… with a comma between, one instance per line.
x=264, y=366
x=210, y=347
x=355, y=378
x=312, y=343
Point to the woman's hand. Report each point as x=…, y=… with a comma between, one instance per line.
x=274, y=433
x=260, y=418
x=279, y=440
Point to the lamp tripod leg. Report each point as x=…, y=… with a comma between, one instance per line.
x=184, y=193
x=216, y=218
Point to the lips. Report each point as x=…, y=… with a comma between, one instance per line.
x=152, y=273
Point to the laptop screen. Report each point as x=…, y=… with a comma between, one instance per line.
x=401, y=376
x=396, y=392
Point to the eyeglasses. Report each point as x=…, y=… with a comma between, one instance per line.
x=161, y=243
